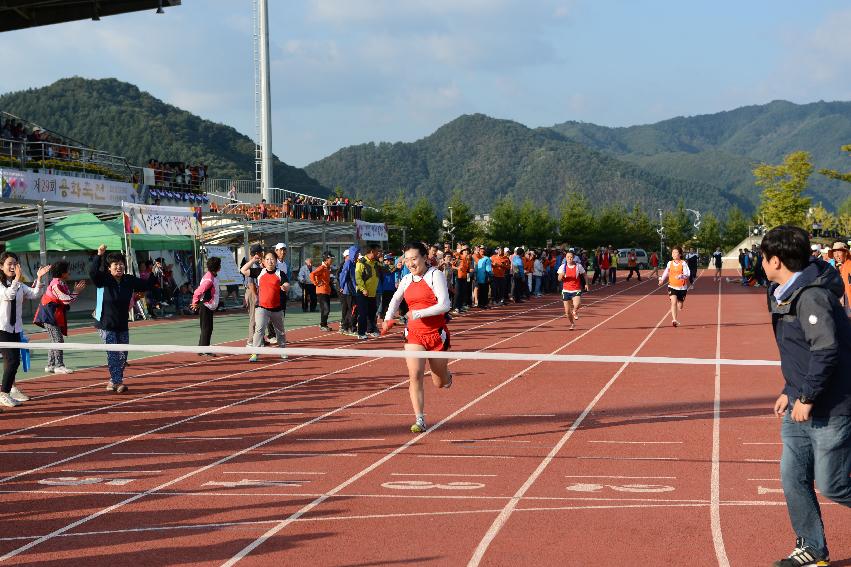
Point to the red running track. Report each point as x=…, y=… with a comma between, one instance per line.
x=309, y=462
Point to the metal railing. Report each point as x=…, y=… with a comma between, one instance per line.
x=58, y=157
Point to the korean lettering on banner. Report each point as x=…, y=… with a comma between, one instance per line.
x=166, y=221
x=374, y=231
x=30, y=186
x=229, y=273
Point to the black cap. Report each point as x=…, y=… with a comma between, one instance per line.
x=327, y=255
x=256, y=249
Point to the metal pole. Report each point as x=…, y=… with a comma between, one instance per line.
x=324, y=238
x=452, y=228
x=661, y=239
x=42, y=237
x=287, y=231
x=265, y=104
x=245, y=241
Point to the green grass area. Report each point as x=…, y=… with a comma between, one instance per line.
x=227, y=328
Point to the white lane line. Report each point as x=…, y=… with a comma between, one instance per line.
x=620, y=477
x=505, y=513
x=271, y=472
x=134, y=400
x=163, y=427
x=519, y=414
x=316, y=454
x=253, y=523
x=400, y=414
x=280, y=412
x=340, y=439
x=111, y=471
x=305, y=509
x=64, y=437
x=152, y=453
x=665, y=416
x=483, y=441
x=205, y=438
x=715, y=477
x=464, y=457
x=640, y=442
x=104, y=511
x=628, y=458
x=443, y=474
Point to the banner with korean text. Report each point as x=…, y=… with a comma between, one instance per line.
x=164, y=221
x=229, y=273
x=30, y=186
x=373, y=231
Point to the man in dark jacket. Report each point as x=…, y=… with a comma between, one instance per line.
x=346, y=280
x=115, y=291
x=814, y=338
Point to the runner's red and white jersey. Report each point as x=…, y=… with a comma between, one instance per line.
x=571, y=280
x=427, y=298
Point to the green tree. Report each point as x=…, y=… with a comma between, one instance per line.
x=844, y=208
x=612, y=222
x=834, y=174
x=640, y=230
x=782, y=200
x=536, y=225
x=818, y=216
x=423, y=221
x=577, y=223
x=505, y=226
x=678, y=226
x=735, y=228
x=462, y=217
x=709, y=233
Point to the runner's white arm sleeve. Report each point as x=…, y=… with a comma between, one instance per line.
x=686, y=271
x=398, y=296
x=665, y=273
x=438, y=286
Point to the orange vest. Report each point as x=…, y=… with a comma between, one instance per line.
x=675, y=272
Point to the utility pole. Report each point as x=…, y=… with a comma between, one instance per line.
x=661, y=231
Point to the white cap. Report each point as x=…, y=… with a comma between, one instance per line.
x=814, y=247
x=280, y=245
x=825, y=250
x=506, y=249
x=346, y=252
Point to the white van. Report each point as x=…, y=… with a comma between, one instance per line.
x=641, y=258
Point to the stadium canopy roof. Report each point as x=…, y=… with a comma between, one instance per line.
x=20, y=14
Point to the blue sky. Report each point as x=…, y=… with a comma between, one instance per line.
x=351, y=71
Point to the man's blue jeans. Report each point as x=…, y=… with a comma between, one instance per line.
x=815, y=451
x=115, y=359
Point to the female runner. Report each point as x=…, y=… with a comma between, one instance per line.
x=571, y=275
x=677, y=273
x=424, y=290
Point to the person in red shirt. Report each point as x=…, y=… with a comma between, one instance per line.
x=425, y=292
x=321, y=278
x=570, y=275
x=272, y=287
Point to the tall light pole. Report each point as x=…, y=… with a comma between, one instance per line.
x=452, y=229
x=263, y=100
x=661, y=231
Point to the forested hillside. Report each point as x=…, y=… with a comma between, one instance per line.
x=722, y=148
x=488, y=158
x=119, y=118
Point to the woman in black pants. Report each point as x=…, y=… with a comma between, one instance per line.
x=12, y=294
x=205, y=300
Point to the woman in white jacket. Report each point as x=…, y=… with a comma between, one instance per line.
x=12, y=294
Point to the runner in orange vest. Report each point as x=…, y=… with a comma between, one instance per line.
x=677, y=274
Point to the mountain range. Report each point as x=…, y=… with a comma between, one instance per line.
x=117, y=117
x=705, y=161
